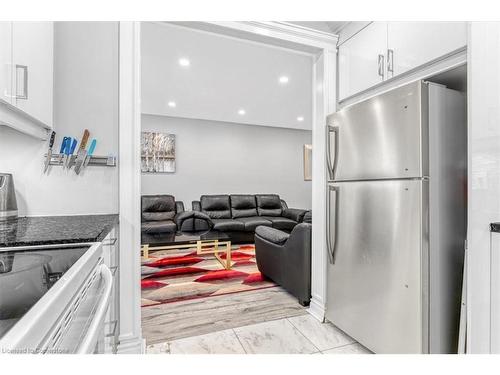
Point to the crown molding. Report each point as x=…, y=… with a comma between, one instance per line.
x=281, y=34
x=314, y=37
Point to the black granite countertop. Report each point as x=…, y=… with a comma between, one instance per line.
x=495, y=227
x=45, y=230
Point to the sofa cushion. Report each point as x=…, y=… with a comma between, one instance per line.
x=280, y=222
x=272, y=235
x=228, y=225
x=243, y=205
x=166, y=226
x=157, y=207
x=253, y=222
x=216, y=206
x=268, y=204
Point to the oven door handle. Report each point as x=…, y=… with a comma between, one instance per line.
x=90, y=338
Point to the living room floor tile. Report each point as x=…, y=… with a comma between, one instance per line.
x=323, y=335
x=349, y=349
x=274, y=337
x=222, y=342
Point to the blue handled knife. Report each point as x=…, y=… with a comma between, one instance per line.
x=49, y=151
x=90, y=152
x=67, y=148
x=71, y=150
x=63, y=148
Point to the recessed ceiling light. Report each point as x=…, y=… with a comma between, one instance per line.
x=300, y=119
x=184, y=62
x=283, y=79
x=241, y=112
x=172, y=104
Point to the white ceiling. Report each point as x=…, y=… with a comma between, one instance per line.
x=333, y=27
x=224, y=76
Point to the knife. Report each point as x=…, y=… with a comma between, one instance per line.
x=61, y=151
x=81, y=152
x=70, y=150
x=67, y=148
x=49, y=151
x=90, y=152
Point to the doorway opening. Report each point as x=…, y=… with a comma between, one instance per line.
x=227, y=125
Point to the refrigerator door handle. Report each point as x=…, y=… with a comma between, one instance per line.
x=332, y=166
x=332, y=249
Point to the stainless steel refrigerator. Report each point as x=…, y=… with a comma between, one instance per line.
x=396, y=218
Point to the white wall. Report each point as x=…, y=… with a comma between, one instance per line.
x=484, y=176
x=225, y=158
x=85, y=96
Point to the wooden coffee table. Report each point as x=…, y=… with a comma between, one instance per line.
x=211, y=242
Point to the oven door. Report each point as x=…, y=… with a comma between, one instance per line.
x=69, y=318
x=84, y=334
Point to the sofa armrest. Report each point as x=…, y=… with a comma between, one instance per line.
x=180, y=217
x=273, y=235
x=179, y=206
x=295, y=214
x=196, y=205
x=284, y=206
x=193, y=221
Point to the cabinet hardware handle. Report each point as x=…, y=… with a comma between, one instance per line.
x=381, y=59
x=390, y=60
x=24, y=68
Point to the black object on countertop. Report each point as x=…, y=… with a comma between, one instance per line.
x=495, y=227
x=45, y=230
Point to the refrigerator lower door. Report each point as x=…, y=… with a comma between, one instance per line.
x=377, y=272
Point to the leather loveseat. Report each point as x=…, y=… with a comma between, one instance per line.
x=159, y=214
x=286, y=258
x=238, y=215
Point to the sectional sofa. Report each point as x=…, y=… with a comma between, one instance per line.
x=238, y=215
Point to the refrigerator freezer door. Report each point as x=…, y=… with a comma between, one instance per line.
x=379, y=138
x=376, y=277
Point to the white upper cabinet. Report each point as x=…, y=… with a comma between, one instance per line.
x=362, y=59
x=384, y=50
x=33, y=68
x=6, y=62
x=411, y=44
x=27, y=75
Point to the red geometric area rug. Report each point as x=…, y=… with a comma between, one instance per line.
x=176, y=275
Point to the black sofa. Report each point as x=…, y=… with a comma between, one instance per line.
x=238, y=215
x=286, y=258
x=159, y=213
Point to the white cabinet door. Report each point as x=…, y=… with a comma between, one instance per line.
x=6, y=62
x=359, y=60
x=416, y=43
x=33, y=68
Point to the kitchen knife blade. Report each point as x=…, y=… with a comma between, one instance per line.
x=63, y=148
x=80, y=158
x=90, y=152
x=70, y=152
x=49, y=151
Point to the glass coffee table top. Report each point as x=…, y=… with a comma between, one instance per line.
x=211, y=242
x=181, y=238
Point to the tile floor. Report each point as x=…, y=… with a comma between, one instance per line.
x=296, y=335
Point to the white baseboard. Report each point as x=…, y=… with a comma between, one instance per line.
x=317, y=309
x=135, y=345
